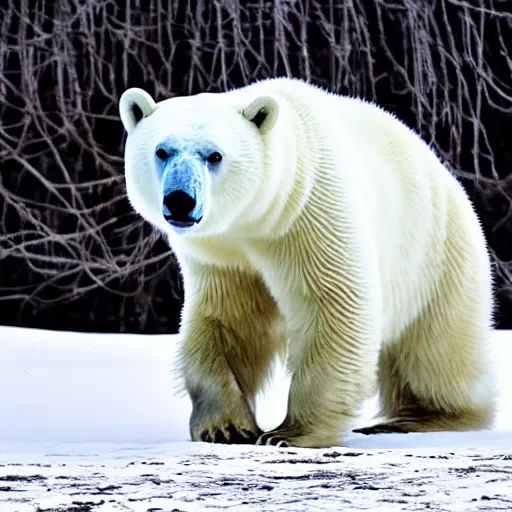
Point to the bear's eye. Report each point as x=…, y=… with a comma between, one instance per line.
x=214, y=158
x=162, y=154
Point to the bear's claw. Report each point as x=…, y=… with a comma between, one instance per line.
x=229, y=435
x=273, y=439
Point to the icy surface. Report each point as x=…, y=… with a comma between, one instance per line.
x=191, y=477
x=90, y=423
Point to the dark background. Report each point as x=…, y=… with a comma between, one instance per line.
x=74, y=256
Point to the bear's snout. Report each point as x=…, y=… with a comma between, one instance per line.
x=182, y=175
x=180, y=206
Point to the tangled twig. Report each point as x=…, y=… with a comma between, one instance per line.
x=67, y=231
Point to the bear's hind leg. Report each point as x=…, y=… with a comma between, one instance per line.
x=437, y=376
x=405, y=412
x=230, y=335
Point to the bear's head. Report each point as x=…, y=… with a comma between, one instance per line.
x=198, y=165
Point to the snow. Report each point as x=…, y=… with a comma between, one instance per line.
x=92, y=423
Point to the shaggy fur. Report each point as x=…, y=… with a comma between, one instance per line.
x=332, y=232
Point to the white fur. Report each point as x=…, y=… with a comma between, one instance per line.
x=340, y=177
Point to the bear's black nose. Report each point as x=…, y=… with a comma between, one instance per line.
x=180, y=206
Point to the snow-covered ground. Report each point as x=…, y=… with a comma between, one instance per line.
x=90, y=423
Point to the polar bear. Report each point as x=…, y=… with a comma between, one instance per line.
x=320, y=227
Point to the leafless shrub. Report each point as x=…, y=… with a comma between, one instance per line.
x=67, y=231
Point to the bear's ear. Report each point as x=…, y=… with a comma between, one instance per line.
x=262, y=112
x=135, y=104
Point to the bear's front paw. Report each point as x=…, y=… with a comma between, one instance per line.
x=286, y=435
x=227, y=420
x=229, y=434
x=298, y=436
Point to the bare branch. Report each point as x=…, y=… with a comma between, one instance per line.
x=67, y=230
